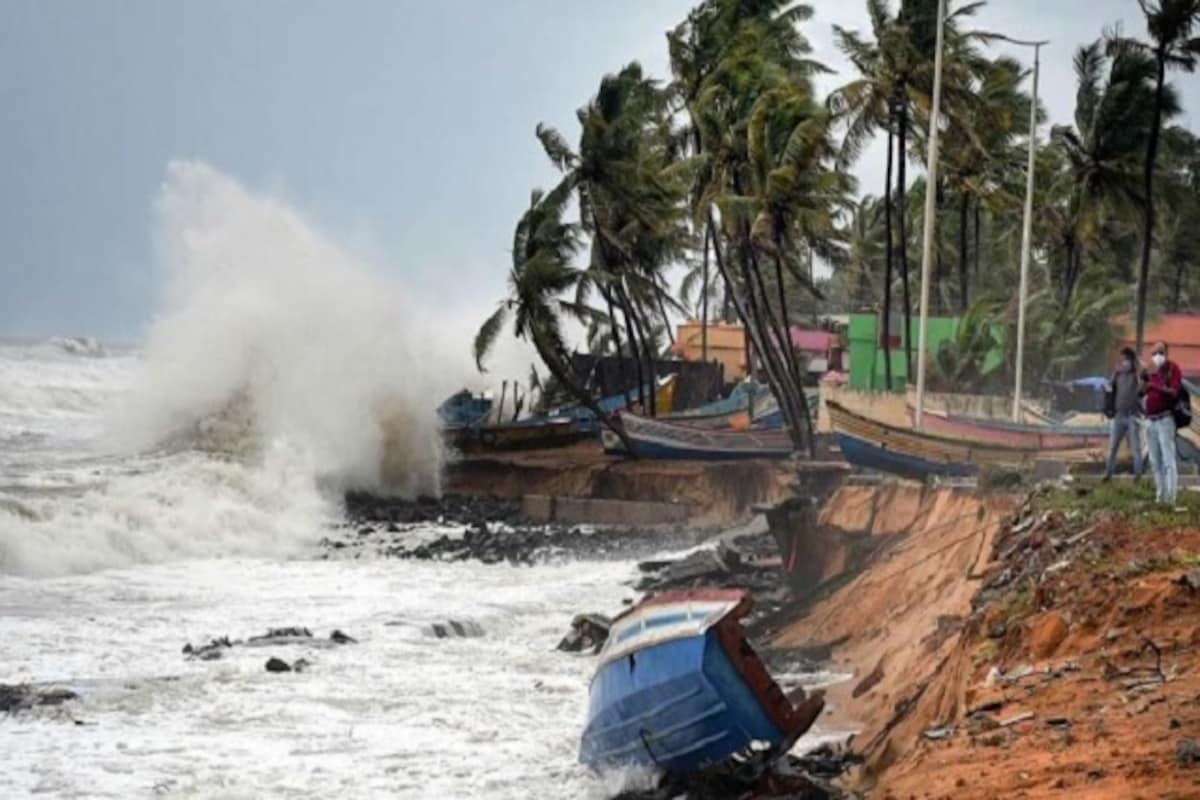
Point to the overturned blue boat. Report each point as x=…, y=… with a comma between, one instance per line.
x=680, y=689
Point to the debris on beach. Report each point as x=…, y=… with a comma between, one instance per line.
x=216, y=648
x=22, y=696
x=588, y=633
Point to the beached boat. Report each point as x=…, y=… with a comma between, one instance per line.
x=1013, y=434
x=585, y=418
x=870, y=444
x=535, y=432
x=652, y=438
x=679, y=689
x=464, y=409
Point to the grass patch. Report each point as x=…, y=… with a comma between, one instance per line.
x=1131, y=501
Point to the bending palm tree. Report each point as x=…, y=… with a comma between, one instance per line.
x=543, y=245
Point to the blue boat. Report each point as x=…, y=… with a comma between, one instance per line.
x=680, y=689
x=586, y=420
x=463, y=410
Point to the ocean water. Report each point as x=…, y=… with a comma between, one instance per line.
x=110, y=563
x=179, y=492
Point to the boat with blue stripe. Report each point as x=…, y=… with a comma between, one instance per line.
x=679, y=689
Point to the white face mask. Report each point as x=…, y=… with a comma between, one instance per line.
x=1159, y=359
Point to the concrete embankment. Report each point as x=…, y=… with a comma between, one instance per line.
x=582, y=485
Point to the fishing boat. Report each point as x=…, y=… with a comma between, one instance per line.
x=870, y=444
x=1013, y=434
x=535, y=432
x=464, y=409
x=585, y=418
x=652, y=438
x=679, y=689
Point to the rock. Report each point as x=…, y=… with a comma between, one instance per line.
x=461, y=629
x=1187, y=753
x=1191, y=580
x=300, y=664
x=337, y=637
x=1016, y=719
x=278, y=665
x=1046, y=634
x=19, y=697
x=588, y=632
x=938, y=733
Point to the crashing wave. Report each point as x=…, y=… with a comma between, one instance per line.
x=84, y=346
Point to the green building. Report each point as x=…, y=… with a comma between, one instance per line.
x=868, y=358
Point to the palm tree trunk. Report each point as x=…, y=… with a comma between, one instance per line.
x=704, y=298
x=634, y=350
x=641, y=324
x=963, y=208
x=616, y=332
x=1143, y=284
x=553, y=363
x=902, y=210
x=978, y=250
x=662, y=310
x=1177, y=289
x=887, y=272
x=503, y=393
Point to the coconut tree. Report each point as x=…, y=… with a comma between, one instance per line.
x=1114, y=112
x=540, y=276
x=629, y=190
x=1170, y=25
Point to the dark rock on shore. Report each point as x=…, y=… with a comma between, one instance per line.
x=788, y=778
x=20, y=697
x=362, y=507
x=216, y=648
x=278, y=665
x=588, y=632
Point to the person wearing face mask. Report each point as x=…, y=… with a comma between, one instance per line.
x=1161, y=386
x=1123, y=405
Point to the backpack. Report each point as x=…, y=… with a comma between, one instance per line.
x=1182, y=412
x=1110, y=397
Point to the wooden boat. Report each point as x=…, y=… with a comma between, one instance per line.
x=654, y=438
x=1013, y=434
x=679, y=689
x=464, y=409
x=536, y=432
x=870, y=444
x=585, y=418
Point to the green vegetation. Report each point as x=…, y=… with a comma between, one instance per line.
x=1131, y=501
x=739, y=173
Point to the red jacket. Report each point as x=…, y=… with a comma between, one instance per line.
x=1163, y=389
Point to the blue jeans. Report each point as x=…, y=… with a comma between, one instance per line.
x=1160, y=436
x=1124, y=426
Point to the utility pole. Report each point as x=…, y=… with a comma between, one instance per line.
x=931, y=165
x=1027, y=231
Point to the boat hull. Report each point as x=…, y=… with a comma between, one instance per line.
x=668, y=440
x=876, y=445
x=1011, y=435
x=680, y=690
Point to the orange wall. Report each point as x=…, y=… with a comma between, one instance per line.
x=726, y=344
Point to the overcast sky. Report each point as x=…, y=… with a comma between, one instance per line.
x=403, y=129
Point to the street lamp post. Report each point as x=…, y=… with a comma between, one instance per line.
x=1027, y=231
x=930, y=210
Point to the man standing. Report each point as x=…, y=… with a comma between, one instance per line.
x=1122, y=406
x=1161, y=387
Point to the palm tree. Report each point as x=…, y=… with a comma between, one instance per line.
x=540, y=275
x=1169, y=24
x=630, y=193
x=866, y=104
x=1114, y=111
